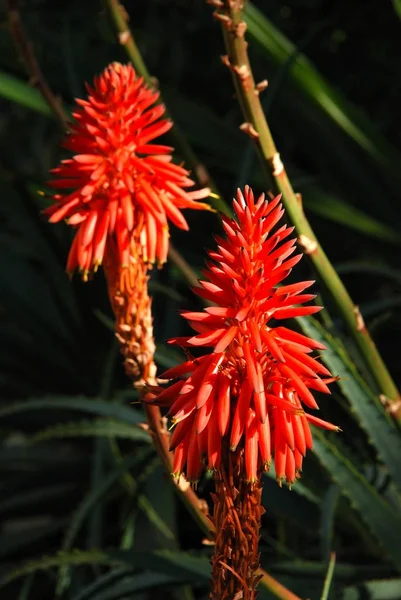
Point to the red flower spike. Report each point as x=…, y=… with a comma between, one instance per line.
x=118, y=184
x=248, y=395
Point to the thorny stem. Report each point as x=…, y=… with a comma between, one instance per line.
x=229, y=13
x=24, y=45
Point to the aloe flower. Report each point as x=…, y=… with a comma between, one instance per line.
x=241, y=404
x=251, y=389
x=120, y=184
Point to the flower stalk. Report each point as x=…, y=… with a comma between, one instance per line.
x=128, y=292
x=235, y=563
x=229, y=14
x=240, y=407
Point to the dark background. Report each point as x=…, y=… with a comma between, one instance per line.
x=336, y=121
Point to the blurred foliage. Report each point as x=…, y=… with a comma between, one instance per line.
x=87, y=513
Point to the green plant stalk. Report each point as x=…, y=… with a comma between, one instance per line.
x=229, y=13
x=127, y=40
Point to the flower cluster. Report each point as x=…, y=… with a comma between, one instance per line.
x=118, y=183
x=250, y=390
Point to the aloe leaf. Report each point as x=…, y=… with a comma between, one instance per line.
x=334, y=209
x=397, y=7
x=15, y=541
x=388, y=589
x=73, y=558
x=345, y=572
x=148, y=509
x=170, y=562
x=25, y=591
x=29, y=498
x=377, y=514
x=380, y=427
x=87, y=505
x=328, y=513
x=103, y=583
x=365, y=268
x=76, y=403
x=299, y=504
x=128, y=585
x=94, y=428
x=18, y=91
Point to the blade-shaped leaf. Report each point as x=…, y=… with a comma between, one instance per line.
x=76, y=403
x=378, y=516
x=379, y=426
x=125, y=586
x=388, y=589
x=95, y=428
x=18, y=91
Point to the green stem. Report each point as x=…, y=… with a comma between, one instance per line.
x=230, y=14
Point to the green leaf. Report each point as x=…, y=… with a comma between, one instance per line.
x=332, y=208
x=73, y=558
x=364, y=268
x=328, y=512
x=388, y=589
x=76, y=403
x=380, y=427
x=29, y=498
x=378, y=516
x=90, y=501
x=170, y=562
x=345, y=572
x=95, y=428
x=397, y=7
x=18, y=91
x=16, y=540
x=146, y=506
x=26, y=587
x=299, y=504
x=110, y=588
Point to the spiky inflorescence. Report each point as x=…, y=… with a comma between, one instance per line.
x=119, y=183
x=250, y=390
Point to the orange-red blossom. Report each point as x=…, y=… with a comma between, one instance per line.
x=252, y=388
x=120, y=185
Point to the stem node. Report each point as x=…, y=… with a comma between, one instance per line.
x=249, y=129
x=308, y=246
